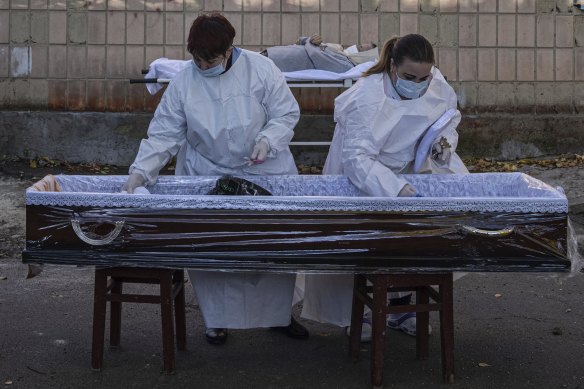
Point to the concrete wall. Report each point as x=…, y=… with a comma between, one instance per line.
x=506, y=55
x=503, y=57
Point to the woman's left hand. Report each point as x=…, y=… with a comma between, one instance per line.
x=441, y=151
x=407, y=191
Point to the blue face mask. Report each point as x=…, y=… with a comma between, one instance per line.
x=211, y=72
x=410, y=89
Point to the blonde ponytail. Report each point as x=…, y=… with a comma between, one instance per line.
x=384, y=62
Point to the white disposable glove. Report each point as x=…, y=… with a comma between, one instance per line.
x=441, y=151
x=135, y=180
x=260, y=151
x=141, y=190
x=407, y=191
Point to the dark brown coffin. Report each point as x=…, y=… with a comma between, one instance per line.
x=83, y=221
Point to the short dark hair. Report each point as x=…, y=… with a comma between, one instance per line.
x=210, y=36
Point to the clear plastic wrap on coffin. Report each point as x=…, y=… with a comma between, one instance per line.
x=463, y=222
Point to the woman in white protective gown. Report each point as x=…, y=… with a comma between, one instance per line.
x=399, y=118
x=230, y=112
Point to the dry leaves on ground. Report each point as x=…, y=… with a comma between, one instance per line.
x=475, y=165
x=43, y=162
x=481, y=165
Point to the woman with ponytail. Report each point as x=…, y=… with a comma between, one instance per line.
x=400, y=118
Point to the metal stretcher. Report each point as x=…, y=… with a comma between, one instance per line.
x=292, y=83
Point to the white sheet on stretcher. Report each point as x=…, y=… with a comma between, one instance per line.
x=164, y=68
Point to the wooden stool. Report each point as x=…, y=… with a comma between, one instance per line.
x=171, y=283
x=422, y=285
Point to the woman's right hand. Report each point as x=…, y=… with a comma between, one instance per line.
x=260, y=151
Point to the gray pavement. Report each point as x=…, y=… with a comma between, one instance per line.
x=512, y=330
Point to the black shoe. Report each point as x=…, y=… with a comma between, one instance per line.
x=294, y=330
x=216, y=336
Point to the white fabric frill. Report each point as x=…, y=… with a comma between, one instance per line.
x=480, y=192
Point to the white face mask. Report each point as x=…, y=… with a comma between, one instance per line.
x=351, y=50
x=211, y=72
x=410, y=89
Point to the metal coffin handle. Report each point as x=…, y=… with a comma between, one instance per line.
x=489, y=233
x=106, y=239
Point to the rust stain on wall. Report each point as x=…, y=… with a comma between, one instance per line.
x=57, y=95
x=136, y=98
x=116, y=96
x=96, y=96
x=76, y=95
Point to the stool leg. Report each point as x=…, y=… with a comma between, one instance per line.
x=179, y=311
x=99, y=308
x=422, y=322
x=379, y=312
x=447, y=329
x=115, y=314
x=359, y=282
x=167, y=322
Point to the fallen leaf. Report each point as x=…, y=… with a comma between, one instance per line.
x=3, y=278
x=483, y=364
x=498, y=295
x=8, y=382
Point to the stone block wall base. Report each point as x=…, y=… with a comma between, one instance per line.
x=114, y=138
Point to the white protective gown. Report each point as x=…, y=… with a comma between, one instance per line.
x=376, y=138
x=213, y=123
